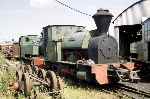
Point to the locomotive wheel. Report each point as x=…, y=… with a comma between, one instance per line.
x=60, y=88
x=27, y=69
x=18, y=75
x=27, y=83
x=60, y=83
x=41, y=73
x=52, y=80
x=19, y=67
x=36, y=69
x=54, y=84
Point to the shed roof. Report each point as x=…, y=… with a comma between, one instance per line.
x=133, y=14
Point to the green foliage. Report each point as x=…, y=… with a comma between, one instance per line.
x=86, y=92
x=5, y=78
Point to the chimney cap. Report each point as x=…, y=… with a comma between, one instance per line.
x=103, y=12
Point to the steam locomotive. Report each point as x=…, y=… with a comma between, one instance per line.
x=73, y=51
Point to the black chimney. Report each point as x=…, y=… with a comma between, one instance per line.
x=102, y=20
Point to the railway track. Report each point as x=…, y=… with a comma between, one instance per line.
x=123, y=92
x=130, y=92
x=113, y=92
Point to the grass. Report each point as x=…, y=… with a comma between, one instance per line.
x=85, y=93
x=6, y=76
x=71, y=92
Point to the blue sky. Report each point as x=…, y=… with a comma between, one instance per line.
x=22, y=17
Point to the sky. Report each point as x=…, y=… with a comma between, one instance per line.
x=23, y=17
